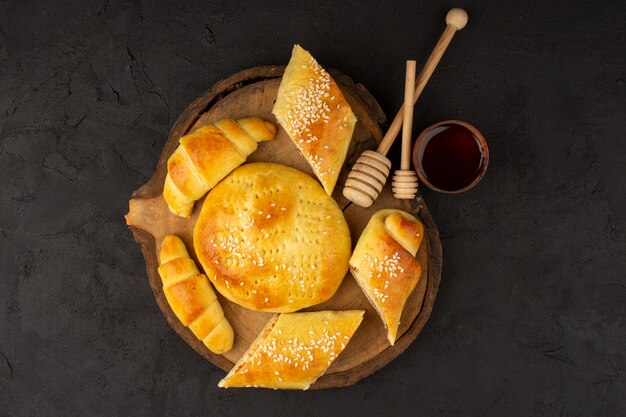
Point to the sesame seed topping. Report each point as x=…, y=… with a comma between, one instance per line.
x=306, y=105
x=380, y=295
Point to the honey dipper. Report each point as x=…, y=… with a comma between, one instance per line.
x=370, y=172
x=404, y=184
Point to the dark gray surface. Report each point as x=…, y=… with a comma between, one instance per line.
x=531, y=315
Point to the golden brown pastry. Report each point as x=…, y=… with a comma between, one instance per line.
x=294, y=350
x=191, y=298
x=315, y=114
x=207, y=155
x=270, y=239
x=384, y=264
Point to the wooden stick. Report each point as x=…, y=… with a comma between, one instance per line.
x=407, y=126
x=456, y=19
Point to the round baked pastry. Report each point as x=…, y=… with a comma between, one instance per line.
x=271, y=239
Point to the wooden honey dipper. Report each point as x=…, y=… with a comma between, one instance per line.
x=370, y=172
x=404, y=184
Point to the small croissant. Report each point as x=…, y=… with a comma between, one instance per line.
x=191, y=297
x=207, y=155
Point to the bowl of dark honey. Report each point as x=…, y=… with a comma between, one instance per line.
x=450, y=156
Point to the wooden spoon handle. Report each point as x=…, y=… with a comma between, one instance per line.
x=407, y=125
x=456, y=19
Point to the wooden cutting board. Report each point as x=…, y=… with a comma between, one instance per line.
x=252, y=93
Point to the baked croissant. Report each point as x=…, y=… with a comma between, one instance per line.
x=207, y=155
x=384, y=264
x=191, y=298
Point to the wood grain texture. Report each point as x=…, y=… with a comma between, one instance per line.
x=252, y=93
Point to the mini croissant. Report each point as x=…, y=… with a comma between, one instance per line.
x=207, y=155
x=191, y=298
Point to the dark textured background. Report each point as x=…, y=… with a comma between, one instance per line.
x=531, y=315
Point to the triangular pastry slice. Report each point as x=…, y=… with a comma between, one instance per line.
x=294, y=350
x=384, y=264
x=315, y=114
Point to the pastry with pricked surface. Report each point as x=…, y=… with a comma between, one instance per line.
x=270, y=239
x=384, y=264
x=206, y=155
x=315, y=114
x=294, y=350
x=191, y=298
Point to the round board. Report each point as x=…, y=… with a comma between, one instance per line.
x=252, y=93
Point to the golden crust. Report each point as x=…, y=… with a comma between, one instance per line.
x=384, y=264
x=207, y=320
x=191, y=298
x=406, y=230
x=220, y=339
x=259, y=130
x=180, y=170
x=177, y=270
x=315, y=114
x=177, y=202
x=294, y=350
x=270, y=239
x=212, y=156
x=207, y=155
x=172, y=248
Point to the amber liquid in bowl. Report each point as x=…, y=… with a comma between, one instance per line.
x=450, y=157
